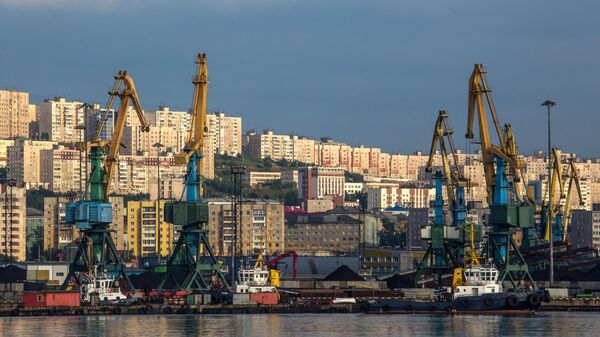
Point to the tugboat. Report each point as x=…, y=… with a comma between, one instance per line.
x=475, y=290
x=102, y=285
x=257, y=279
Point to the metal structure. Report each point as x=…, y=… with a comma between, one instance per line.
x=446, y=247
x=96, y=250
x=237, y=186
x=273, y=262
x=562, y=216
x=510, y=209
x=193, y=265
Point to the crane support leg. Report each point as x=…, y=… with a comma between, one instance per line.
x=96, y=251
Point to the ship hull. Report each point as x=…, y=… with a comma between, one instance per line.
x=506, y=303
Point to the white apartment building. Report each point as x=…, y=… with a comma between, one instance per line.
x=23, y=164
x=58, y=119
x=225, y=133
x=380, y=198
x=318, y=182
x=63, y=169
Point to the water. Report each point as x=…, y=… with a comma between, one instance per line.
x=347, y=325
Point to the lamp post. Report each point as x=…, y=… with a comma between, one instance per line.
x=81, y=133
x=158, y=146
x=549, y=104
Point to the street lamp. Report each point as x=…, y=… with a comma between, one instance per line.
x=158, y=146
x=81, y=127
x=549, y=104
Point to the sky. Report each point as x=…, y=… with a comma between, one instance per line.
x=371, y=73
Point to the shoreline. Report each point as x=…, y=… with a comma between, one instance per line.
x=568, y=305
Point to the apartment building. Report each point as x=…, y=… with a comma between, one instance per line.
x=93, y=119
x=4, y=144
x=148, y=233
x=63, y=169
x=13, y=240
x=23, y=163
x=318, y=182
x=260, y=229
x=58, y=118
x=225, y=133
x=139, y=174
x=270, y=145
x=14, y=114
x=58, y=234
x=330, y=234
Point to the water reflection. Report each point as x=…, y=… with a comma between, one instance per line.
x=343, y=325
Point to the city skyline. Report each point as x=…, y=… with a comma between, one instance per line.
x=373, y=74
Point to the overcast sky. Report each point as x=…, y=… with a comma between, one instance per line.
x=363, y=72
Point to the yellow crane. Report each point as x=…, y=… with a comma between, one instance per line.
x=573, y=179
x=510, y=208
x=193, y=256
x=100, y=185
x=480, y=97
x=556, y=182
x=97, y=250
x=198, y=130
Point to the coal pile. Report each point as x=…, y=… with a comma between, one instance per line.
x=12, y=273
x=343, y=273
x=398, y=281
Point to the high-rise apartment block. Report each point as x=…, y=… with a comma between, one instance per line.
x=4, y=144
x=14, y=114
x=24, y=161
x=261, y=227
x=13, y=240
x=225, y=133
x=63, y=169
x=148, y=233
x=58, y=234
x=58, y=120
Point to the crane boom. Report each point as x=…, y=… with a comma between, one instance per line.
x=573, y=179
x=198, y=129
x=556, y=183
x=507, y=148
x=440, y=131
x=127, y=95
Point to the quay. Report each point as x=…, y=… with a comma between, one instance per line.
x=569, y=305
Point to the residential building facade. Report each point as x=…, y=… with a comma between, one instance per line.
x=260, y=228
x=14, y=114
x=13, y=240
x=148, y=233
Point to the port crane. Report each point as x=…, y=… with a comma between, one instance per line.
x=442, y=256
x=193, y=265
x=510, y=207
x=562, y=218
x=96, y=250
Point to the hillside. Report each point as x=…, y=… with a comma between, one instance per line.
x=220, y=186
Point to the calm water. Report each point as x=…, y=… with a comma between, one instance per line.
x=541, y=324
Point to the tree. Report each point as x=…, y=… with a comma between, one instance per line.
x=391, y=235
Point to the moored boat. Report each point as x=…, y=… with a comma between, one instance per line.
x=475, y=290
